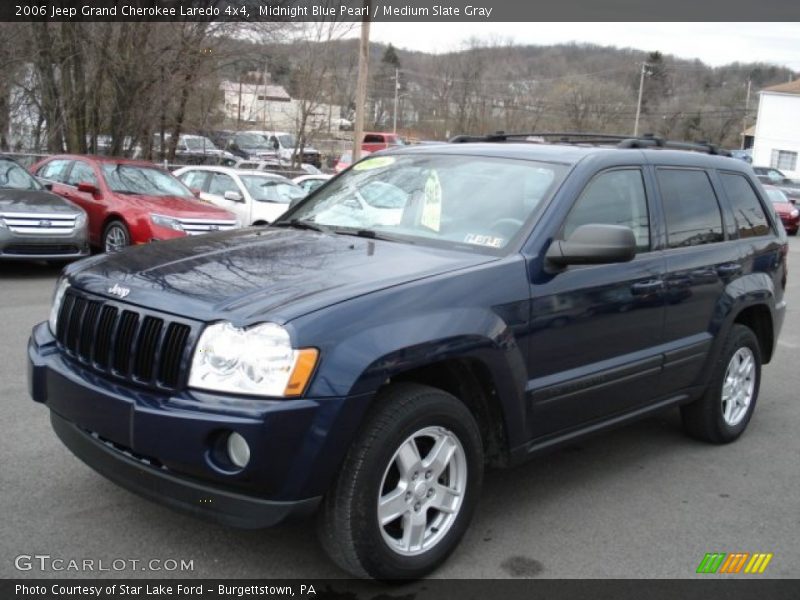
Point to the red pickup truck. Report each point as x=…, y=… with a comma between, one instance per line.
x=374, y=141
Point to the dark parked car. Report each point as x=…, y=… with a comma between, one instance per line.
x=370, y=367
x=35, y=223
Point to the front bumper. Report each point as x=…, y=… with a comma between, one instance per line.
x=165, y=447
x=196, y=498
x=14, y=246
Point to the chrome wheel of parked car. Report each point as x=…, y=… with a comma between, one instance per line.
x=422, y=491
x=740, y=383
x=116, y=237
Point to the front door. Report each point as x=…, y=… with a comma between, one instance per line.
x=595, y=330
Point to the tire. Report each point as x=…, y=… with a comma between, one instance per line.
x=116, y=237
x=727, y=405
x=404, y=417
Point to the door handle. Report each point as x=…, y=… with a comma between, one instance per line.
x=647, y=287
x=729, y=269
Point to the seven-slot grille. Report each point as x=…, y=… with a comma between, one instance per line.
x=198, y=226
x=123, y=341
x=39, y=223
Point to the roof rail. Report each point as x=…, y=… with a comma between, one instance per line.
x=648, y=140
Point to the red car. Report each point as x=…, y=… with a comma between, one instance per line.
x=374, y=141
x=787, y=211
x=130, y=202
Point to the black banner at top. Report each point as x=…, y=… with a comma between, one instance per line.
x=399, y=10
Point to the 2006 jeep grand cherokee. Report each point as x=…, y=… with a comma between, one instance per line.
x=429, y=312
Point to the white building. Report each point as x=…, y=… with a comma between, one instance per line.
x=777, y=139
x=271, y=108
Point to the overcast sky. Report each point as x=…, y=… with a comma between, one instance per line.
x=713, y=43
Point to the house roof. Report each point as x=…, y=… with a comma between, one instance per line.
x=273, y=92
x=793, y=87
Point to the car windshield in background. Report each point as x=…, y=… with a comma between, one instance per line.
x=776, y=195
x=199, y=143
x=268, y=189
x=15, y=177
x=251, y=140
x=287, y=141
x=461, y=200
x=144, y=181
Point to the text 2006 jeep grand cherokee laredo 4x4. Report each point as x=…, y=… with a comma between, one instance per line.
x=428, y=312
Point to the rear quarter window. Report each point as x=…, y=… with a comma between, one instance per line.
x=751, y=219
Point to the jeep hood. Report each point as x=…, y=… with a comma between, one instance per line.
x=259, y=274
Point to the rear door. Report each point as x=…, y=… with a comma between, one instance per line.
x=702, y=257
x=595, y=330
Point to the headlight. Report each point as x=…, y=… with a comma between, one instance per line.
x=2, y=223
x=80, y=220
x=258, y=361
x=795, y=213
x=168, y=222
x=58, y=298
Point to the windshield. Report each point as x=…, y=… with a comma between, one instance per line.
x=145, y=181
x=251, y=140
x=475, y=201
x=286, y=140
x=15, y=177
x=199, y=143
x=776, y=195
x=269, y=189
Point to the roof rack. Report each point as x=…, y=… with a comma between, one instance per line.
x=647, y=140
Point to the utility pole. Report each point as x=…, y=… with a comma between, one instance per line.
x=746, y=112
x=396, y=89
x=639, y=103
x=361, y=86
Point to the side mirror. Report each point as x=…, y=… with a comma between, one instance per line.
x=233, y=196
x=87, y=188
x=47, y=185
x=196, y=191
x=594, y=245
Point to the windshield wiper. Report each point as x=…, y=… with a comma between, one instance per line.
x=298, y=224
x=369, y=234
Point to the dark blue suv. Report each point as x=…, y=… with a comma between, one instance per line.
x=429, y=312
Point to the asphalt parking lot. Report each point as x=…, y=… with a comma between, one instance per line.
x=640, y=502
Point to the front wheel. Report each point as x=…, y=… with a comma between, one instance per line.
x=116, y=237
x=724, y=411
x=407, y=489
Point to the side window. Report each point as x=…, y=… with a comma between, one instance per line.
x=221, y=183
x=691, y=208
x=194, y=179
x=613, y=198
x=751, y=221
x=55, y=170
x=81, y=173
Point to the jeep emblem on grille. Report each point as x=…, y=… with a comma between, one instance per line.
x=213, y=227
x=118, y=290
x=45, y=223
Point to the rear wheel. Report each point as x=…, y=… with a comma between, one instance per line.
x=408, y=486
x=724, y=411
x=116, y=237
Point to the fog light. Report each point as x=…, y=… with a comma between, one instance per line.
x=238, y=450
